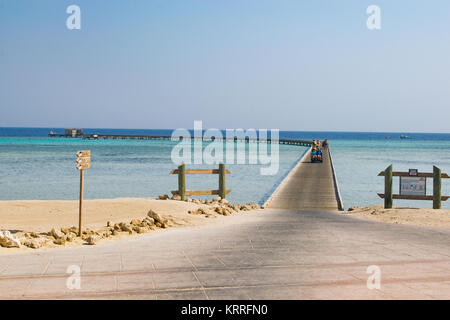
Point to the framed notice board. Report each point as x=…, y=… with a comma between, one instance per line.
x=413, y=186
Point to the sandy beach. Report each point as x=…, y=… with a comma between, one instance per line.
x=402, y=215
x=100, y=216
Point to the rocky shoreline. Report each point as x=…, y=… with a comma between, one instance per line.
x=91, y=236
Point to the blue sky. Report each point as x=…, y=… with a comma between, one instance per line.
x=292, y=65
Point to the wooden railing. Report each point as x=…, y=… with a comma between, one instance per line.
x=436, y=175
x=182, y=192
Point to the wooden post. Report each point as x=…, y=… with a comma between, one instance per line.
x=81, y=203
x=388, y=187
x=436, y=188
x=182, y=181
x=222, y=173
x=83, y=162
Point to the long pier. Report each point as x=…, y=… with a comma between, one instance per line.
x=296, y=142
x=309, y=186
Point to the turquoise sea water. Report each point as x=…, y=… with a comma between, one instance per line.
x=39, y=168
x=33, y=166
x=358, y=162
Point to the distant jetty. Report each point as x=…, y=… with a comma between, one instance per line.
x=68, y=133
x=78, y=133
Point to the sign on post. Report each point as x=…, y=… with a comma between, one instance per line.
x=83, y=163
x=413, y=186
x=83, y=159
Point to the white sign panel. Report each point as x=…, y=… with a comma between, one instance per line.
x=413, y=186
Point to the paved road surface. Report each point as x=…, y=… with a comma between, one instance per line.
x=309, y=186
x=266, y=254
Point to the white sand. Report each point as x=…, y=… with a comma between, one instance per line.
x=22, y=217
x=399, y=215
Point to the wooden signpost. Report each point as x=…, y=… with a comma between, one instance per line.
x=181, y=171
x=412, y=186
x=83, y=163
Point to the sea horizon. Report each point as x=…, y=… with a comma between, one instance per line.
x=90, y=129
x=131, y=168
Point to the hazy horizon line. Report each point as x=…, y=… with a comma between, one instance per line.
x=281, y=130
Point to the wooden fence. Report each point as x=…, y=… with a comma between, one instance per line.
x=388, y=195
x=182, y=171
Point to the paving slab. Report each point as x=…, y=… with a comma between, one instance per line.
x=265, y=254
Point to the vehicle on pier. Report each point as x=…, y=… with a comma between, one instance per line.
x=316, y=154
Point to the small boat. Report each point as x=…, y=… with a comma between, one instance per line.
x=403, y=136
x=387, y=137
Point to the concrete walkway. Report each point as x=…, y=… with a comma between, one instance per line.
x=266, y=254
x=309, y=186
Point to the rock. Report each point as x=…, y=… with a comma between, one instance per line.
x=8, y=240
x=34, y=235
x=115, y=232
x=176, y=197
x=92, y=240
x=60, y=241
x=219, y=210
x=56, y=234
x=125, y=227
x=89, y=232
x=224, y=201
x=33, y=244
x=109, y=224
x=207, y=201
x=157, y=217
x=143, y=224
x=74, y=230
x=253, y=206
x=135, y=222
x=163, y=196
x=65, y=230
x=69, y=237
x=159, y=224
x=141, y=229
